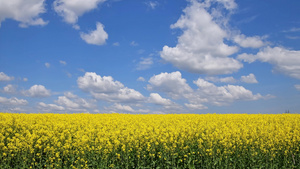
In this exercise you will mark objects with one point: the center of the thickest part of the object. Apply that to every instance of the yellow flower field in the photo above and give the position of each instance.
(149, 141)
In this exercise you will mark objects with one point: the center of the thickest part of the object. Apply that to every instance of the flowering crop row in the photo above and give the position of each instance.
(149, 141)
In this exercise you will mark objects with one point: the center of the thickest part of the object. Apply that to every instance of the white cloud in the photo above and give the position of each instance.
(70, 95)
(37, 91)
(145, 63)
(105, 88)
(297, 87)
(26, 12)
(292, 30)
(76, 27)
(249, 79)
(88, 104)
(70, 10)
(227, 80)
(171, 83)
(73, 102)
(228, 4)
(13, 101)
(195, 106)
(249, 42)
(124, 108)
(152, 4)
(168, 106)
(47, 65)
(91, 82)
(50, 107)
(201, 48)
(96, 37)
(246, 79)
(121, 108)
(16, 109)
(223, 80)
(25, 79)
(63, 62)
(9, 89)
(67, 102)
(133, 43)
(220, 95)
(141, 79)
(155, 98)
(122, 95)
(284, 61)
(4, 77)
(175, 86)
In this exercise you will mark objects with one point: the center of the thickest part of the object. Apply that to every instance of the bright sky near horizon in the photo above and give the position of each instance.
(147, 56)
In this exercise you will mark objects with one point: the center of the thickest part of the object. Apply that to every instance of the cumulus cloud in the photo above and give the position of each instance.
(221, 95)
(171, 83)
(91, 82)
(122, 95)
(4, 77)
(228, 4)
(9, 89)
(284, 61)
(207, 93)
(37, 91)
(249, 79)
(13, 101)
(155, 98)
(152, 4)
(145, 63)
(70, 10)
(72, 102)
(121, 108)
(96, 37)
(141, 79)
(26, 12)
(195, 106)
(201, 48)
(105, 88)
(67, 102)
(246, 79)
(125, 108)
(50, 107)
(223, 80)
(249, 42)
(70, 95)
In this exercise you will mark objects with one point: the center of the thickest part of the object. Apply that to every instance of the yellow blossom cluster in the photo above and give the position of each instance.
(128, 141)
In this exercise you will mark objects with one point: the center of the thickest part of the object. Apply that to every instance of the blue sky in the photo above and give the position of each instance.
(143, 56)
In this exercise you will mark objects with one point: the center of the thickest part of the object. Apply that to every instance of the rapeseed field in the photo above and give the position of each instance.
(149, 141)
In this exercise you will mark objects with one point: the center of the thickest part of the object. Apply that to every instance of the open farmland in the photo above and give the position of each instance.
(149, 141)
